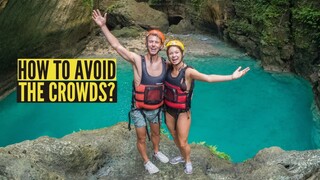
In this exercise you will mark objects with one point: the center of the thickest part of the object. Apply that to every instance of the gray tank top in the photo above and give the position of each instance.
(152, 80)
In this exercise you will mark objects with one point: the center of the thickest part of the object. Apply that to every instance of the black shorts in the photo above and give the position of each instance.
(174, 112)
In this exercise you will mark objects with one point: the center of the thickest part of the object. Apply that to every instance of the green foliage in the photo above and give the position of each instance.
(113, 7)
(156, 2)
(197, 4)
(262, 19)
(214, 151)
(308, 15)
(267, 14)
(309, 18)
(261, 11)
(242, 26)
(268, 38)
(88, 3)
(300, 36)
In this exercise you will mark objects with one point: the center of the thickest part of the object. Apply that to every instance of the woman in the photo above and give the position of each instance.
(179, 83)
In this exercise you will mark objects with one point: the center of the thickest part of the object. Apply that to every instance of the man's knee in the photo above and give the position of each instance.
(155, 130)
(183, 143)
(155, 133)
(141, 135)
(141, 140)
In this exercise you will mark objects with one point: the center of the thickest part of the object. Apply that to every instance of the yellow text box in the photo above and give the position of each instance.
(66, 70)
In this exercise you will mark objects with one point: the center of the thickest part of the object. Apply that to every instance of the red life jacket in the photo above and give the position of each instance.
(149, 97)
(149, 94)
(176, 96)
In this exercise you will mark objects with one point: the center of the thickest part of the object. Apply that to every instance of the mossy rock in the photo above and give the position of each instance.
(131, 31)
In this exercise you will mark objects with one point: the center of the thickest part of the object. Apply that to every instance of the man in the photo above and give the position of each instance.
(149, 73)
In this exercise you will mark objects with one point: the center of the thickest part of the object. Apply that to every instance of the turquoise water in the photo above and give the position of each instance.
(240, 117)
(260, 110)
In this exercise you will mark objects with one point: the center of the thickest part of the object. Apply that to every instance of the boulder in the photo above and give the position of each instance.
(111, 153)
(126, 13)
(183, 27)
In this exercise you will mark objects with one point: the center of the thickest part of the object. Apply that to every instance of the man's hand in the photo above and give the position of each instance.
(98, 18)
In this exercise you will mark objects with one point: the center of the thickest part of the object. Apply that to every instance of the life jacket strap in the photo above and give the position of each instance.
(159, 118)
(145, 119)
(129, 123)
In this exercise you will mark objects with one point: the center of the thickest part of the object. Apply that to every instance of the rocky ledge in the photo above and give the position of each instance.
(110, 153)
(195, 46)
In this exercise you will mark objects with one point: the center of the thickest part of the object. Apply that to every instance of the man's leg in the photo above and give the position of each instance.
(140, 126)
(155, 136)
(141, 143)
(142, 148)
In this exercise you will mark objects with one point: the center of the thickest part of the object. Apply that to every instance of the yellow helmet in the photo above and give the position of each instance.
(175, 43)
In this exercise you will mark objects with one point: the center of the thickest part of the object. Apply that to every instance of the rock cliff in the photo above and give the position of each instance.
(40, 29)
(110, 153)
(283, 34)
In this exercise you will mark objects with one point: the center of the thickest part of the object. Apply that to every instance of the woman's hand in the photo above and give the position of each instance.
(98, 18)
(238, 73)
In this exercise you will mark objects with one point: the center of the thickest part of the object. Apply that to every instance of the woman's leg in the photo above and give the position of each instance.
(182, 132)
(171, 122)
